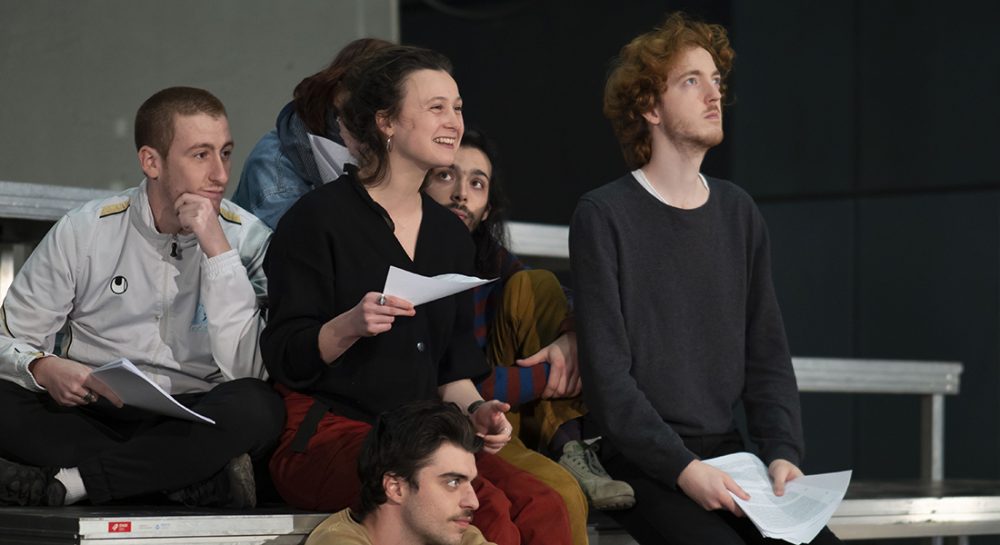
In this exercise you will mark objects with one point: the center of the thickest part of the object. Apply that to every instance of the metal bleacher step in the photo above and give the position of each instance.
(603, 530)
(82, 525)
(86, 525)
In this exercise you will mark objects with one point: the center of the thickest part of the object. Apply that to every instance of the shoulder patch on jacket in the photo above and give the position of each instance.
(116, 208)
(230, 216)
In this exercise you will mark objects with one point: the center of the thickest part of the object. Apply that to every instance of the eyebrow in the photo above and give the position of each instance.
(432, 99)
(473, 171)
(453, 475)
(206, 145)
(695, 72)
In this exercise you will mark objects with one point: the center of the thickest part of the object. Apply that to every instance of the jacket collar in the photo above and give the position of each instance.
(142, 220)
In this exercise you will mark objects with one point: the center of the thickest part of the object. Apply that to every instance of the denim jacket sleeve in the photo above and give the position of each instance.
(269, 184)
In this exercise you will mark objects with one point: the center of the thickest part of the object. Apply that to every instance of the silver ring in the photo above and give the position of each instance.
(381, 299)
(90, 397)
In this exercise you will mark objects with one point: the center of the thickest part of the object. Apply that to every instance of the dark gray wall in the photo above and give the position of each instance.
(865, 132)
(72, 74)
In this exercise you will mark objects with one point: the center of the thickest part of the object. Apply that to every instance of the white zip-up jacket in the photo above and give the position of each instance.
(125, 290)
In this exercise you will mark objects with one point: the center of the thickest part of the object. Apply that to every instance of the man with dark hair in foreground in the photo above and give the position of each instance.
(416, 469)
(167, 274)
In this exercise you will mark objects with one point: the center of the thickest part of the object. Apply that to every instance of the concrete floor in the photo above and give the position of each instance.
(613, 539)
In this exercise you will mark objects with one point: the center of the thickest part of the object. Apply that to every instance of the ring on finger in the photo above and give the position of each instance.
(90, 397)
(381, 299)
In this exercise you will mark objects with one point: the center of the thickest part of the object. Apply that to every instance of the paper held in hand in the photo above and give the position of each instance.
(419, 289)
(134, 388)
(797, 516)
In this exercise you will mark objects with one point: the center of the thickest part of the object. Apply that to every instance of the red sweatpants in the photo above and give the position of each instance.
(514, 507)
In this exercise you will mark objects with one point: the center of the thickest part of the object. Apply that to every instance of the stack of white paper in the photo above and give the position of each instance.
(418, 289)
(798, 515)
(134, 388)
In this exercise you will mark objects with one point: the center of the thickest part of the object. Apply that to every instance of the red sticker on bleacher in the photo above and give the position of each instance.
(118, 527)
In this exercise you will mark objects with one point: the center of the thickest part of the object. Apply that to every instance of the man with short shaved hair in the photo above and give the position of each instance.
(169, 275)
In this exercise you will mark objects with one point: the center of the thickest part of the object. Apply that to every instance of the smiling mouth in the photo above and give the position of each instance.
(446, 140)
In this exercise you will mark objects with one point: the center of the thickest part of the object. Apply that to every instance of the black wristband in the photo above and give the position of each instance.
(474, 406)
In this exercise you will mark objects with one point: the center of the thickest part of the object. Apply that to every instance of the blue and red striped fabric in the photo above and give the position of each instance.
(514, 385)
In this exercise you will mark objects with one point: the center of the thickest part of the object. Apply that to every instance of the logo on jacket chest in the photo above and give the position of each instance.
(118, 285)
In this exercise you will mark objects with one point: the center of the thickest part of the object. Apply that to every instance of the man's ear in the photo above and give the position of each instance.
(150, 162)
(393, 486)
(652, 116)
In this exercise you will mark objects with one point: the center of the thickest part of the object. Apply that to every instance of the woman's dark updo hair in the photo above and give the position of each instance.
(315, 95)
(377, 85)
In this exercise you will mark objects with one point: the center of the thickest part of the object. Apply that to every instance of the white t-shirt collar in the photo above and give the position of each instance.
(644, 182)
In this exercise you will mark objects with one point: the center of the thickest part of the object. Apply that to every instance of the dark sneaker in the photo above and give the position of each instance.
(233, 487)
(28, 485)
(604, 493)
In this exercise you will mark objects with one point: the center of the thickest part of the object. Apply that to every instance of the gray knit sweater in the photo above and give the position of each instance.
(677, 322)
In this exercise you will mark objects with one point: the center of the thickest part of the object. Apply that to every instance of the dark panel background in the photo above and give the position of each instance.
(866, 132)
(929, 78)
(795, 96)
(532, 76)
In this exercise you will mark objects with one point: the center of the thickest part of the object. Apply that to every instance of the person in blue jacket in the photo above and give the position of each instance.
(281, 167)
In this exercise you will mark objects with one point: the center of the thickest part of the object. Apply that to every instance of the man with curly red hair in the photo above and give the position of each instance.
(677, 320)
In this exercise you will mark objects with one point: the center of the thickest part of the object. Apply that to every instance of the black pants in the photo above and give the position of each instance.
(129, 452)
(667, 516)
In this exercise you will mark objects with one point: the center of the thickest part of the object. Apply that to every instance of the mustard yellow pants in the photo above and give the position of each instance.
(533, 308)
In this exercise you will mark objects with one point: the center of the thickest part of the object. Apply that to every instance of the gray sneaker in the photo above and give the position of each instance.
(232, 487)
(604, 493)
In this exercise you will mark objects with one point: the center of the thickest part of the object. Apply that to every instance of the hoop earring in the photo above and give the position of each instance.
(388, 144)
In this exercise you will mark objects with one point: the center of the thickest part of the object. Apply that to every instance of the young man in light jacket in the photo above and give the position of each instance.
(167, 274)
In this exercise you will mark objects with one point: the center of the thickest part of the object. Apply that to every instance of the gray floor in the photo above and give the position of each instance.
(613, 539)
(609, 537)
